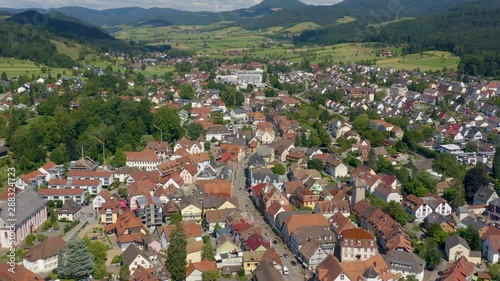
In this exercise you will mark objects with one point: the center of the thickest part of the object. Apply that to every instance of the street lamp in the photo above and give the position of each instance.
(161, 132)
(103, 155)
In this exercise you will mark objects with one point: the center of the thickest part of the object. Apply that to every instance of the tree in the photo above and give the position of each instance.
(426, 179)
(187, 91)
(117, 259)
(124, 272)
(30, 239)
(194, 131)
(447, 164)
(210, 276)
(4, 76)
(77, 261)
(175, 218)
(433, 255)
(316, 164)
(496, 164)
(176, 254)
(471, 146)
(471, 235)
(324, 116)
(455, 195)
(279, 169)
(169, 121)
(437, 233)
(119, 159)
(241, 274)
(208, 251)
(494, 270)
(474, 179)
(397, 212)
(372, 159)
(59, 155)
(410, 278)
(59, 204)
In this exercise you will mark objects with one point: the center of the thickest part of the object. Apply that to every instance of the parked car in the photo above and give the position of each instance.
(285, 270)
(293, 263)
(275, 242)
(285, 256)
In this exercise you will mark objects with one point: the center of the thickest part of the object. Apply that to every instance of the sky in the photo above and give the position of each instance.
(188, 5)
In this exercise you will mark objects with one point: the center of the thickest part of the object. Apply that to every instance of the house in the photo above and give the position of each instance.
(311, 255)
(70, 211)
(491, 248)
(191, 209)
(493, 210)
(101, 198)
(484, 196)
(301, 220)
(160, 148)
(76, 195)
(330, 207)
(447, 224)
(43, 257)
(17, 273)
(194, 271)
(188, 173)
(192, 147)
(460, 270)
(336, 168)
(238, 114)
(265, 271)
(219, 133)
(416, 206)
(227, 252)
(387, 193)
(149, 209)
(194, 248)
(128, 228)
(251, 260)
(217, 217)
(190, 228)
(406, 263)
(109, 212)
(456, 247)
(357, 245)
(372, 269)
(323, 236)
(31, 213)
(264, 132)
(135, 257)
(383, 126)
(216, 187)
(146, 160)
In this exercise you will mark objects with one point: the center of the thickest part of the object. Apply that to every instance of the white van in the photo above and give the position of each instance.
(285, 270)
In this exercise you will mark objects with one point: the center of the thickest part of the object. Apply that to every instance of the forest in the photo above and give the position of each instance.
(30, 43)
(471, 33)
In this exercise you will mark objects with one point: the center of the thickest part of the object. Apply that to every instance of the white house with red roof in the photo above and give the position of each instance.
(101, 198)
(92, 186)
(146, 160)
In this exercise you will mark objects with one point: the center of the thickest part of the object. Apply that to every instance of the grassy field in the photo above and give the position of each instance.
(15, 67)
(301, 27)
(213, 40)
(72, 51)
(377, 25)
(346, 19)
(431, 60)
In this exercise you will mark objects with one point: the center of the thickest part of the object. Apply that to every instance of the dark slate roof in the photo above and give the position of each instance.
(131, 253)
(453, 241)
(402, 261)
(28, 202)
(484, 193)
(495, 202)
(434, 218)
(370, 273)
(476, 224)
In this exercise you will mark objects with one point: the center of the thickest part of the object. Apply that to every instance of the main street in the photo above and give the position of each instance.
(239, 190)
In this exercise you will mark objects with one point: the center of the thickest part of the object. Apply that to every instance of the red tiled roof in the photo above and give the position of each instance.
(62, 191)
(147, 155)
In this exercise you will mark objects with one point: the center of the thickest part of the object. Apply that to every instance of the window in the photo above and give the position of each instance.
(342, 276)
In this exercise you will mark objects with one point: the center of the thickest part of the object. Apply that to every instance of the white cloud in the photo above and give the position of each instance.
(191, 5)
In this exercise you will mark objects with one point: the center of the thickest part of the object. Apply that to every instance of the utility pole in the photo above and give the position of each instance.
(103, 155)
(161, 132)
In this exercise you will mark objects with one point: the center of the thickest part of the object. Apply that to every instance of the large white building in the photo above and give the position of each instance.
(253, 77)
(146, 160)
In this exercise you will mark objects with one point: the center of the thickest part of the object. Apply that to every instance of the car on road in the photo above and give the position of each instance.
(267, 234)
(93, 238)
(285, 256)
(275, 242)
(246, 205)
(285, 270)
(293, 263)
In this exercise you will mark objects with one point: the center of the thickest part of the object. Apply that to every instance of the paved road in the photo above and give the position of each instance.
(296, 272)
(84, 217)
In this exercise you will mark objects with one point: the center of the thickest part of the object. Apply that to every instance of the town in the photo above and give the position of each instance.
(251, 171)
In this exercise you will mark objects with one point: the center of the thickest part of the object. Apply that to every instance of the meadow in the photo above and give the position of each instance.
(16, 67)
(273, 43)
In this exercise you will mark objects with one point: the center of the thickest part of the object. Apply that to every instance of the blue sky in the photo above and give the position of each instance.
(191, 5)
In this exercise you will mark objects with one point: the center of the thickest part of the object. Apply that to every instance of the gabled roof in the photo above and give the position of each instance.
(131, 253)
(28, 201)
(46, 249)
(202, 266)
(147, 155)
(455, 240)
(300, 220)
(357, 234)
(460, 270)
